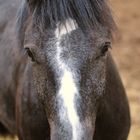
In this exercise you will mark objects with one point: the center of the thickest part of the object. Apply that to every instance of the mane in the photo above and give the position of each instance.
(87, 13)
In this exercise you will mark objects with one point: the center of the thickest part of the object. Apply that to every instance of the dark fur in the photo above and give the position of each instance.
(3, 130)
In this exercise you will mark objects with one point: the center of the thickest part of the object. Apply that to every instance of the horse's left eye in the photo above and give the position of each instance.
(105, 48)
(30, 54)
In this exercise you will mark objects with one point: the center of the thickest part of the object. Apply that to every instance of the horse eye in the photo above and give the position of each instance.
(30, 54)
(105, 48)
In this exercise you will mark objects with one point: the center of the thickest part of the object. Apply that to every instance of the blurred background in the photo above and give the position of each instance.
(126, 52)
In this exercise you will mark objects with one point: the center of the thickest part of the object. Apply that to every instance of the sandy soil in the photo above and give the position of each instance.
(126, 52)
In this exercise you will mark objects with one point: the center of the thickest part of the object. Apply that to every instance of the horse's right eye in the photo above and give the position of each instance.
(105, 48)
(30, 54)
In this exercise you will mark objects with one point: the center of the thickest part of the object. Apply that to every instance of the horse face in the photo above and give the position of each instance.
(69, 68)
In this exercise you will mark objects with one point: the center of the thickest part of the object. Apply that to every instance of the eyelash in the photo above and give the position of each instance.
(105, 48)
(30, 54)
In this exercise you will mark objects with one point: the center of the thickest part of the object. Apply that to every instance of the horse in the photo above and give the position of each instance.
(58, 78)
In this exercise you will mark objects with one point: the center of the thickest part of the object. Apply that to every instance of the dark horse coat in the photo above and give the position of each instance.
(33, 102)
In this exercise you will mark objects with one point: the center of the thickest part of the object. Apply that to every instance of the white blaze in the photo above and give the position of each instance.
(70, 25)
(68, 89)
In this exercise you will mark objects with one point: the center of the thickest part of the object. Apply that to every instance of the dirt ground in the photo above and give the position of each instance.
(126, 52)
